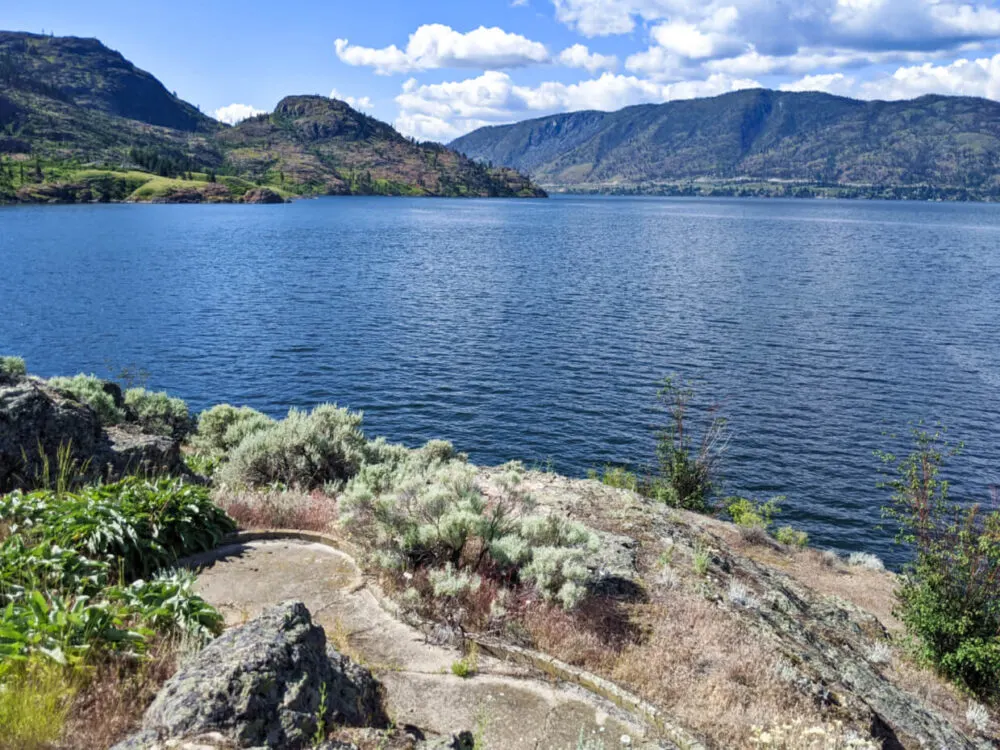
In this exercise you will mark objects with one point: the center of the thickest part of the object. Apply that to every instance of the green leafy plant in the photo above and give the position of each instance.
(159, 413)
(753, 514)
(792, 537)
(949, 595)
(689, 465)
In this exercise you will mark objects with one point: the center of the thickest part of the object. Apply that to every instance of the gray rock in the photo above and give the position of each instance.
(264, 684)
(262, 195)
(36, 420)
(462, 741)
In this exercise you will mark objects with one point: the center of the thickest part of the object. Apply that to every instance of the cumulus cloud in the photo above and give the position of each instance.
(961, 78)
(776, 28)
(235, 113)
(358, 102)
(443, 111)
(830, 83)
(579, 56)
(438, 46)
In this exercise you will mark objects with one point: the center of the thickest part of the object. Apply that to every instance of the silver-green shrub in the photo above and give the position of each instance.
(424, 508)
(223, 427)
(159, 413)
(89, 390)
(13, 367)
(303, 450)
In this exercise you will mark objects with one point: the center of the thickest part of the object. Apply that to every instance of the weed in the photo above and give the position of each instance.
(700, 561)
(35, 699)
(792, 537)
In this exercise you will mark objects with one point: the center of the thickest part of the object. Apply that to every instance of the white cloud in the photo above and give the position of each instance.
(781, 27)
(443, 111)
(358, 102)
(961, 78)
(578, 56)
(235, 113)
(831, 83)
(438, 46)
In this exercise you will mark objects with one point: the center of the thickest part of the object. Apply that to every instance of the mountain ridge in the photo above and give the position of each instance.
(760, 136)
(80, 123)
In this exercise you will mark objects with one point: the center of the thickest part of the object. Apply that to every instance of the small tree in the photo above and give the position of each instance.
(949, 597)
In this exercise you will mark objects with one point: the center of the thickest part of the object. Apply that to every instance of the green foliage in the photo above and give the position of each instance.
(13, 367)
(139, 525)
(302, 450)
(159, 413)
(688, 466)
(424, 509)
(792, 537)
(752, 514)
(69, 565)
(223, 427)
(616, 476)
(35, 700)
(89, 390)
(949, 596)
(701, 560)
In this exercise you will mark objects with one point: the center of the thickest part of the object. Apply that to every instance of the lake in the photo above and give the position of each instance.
(537, 330)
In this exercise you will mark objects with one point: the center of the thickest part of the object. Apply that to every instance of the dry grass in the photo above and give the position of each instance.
(274, 509)
(111, 704)
(935, 691)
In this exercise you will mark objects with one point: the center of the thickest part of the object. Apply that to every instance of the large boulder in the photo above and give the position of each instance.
(262, 195)
(37, 421)
(265, 684)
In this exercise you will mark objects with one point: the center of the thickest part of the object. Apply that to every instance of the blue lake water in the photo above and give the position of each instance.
(537, 330)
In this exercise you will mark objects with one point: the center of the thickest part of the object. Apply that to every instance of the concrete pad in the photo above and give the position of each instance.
(508, 710)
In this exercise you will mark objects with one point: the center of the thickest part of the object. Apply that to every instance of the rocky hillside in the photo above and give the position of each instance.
(814, 139)
(79, 123)
(326, 147)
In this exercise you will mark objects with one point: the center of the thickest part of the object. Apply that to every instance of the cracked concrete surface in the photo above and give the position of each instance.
(506, 706)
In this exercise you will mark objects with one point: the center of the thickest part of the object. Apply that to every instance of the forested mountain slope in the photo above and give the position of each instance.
(758, 135)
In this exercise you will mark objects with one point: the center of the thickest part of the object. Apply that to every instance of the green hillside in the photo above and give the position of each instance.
(79, 122)
(763, 141)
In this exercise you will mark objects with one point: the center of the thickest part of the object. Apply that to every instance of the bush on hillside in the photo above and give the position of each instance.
(90, 390)
(949, 596)
(303, 450)
(159, 413)
(13, 367)
(424, 511)
(223, 427)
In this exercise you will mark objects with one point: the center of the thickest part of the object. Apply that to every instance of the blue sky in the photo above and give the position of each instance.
(439, 68)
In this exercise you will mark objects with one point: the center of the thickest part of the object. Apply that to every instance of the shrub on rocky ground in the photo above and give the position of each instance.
(949, 595)
(223, 427)
(423, 510)
(12, 367)
(92, 391)
(159, 413)
(303, 450)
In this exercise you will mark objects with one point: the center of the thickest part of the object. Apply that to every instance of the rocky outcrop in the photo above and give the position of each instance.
(269, 683)
(36, 422)
(262, 195)
(822, 642)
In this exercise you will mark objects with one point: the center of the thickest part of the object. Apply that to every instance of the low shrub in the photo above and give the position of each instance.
(421, 510)
(792, 537)
(865, 560)
(278, 509)
(616, 476)
(13, 367)
(752, 514)
(90, 390)
(223, 427)
(159, 413)
(303, 450)
(949, 595)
